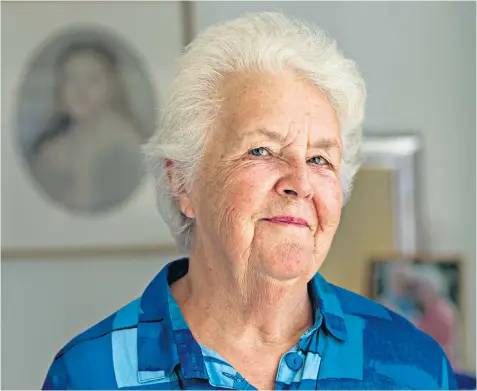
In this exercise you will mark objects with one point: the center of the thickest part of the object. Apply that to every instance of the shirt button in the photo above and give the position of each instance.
(294, 361)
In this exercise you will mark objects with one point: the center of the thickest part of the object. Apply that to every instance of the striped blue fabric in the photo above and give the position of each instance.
(355, 343)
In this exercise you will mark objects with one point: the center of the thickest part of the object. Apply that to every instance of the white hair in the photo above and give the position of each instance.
(267, 42)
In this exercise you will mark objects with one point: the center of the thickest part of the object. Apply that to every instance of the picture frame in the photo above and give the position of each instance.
(398, 153)
(406, 283)
(450, 265)
(32, 222)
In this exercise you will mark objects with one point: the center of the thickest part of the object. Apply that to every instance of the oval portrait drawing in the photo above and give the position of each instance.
(85, 107)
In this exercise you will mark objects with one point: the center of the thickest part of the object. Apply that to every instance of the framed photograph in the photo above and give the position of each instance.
(427, 290)
(81, 92)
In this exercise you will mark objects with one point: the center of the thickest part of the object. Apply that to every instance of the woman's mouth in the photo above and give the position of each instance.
(288, 220)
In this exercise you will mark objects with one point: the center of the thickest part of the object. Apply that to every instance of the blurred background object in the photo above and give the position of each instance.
(65, 266)
(427, 290)
(83, 144)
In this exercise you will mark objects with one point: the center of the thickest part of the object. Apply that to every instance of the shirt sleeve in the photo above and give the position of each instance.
(57, 377)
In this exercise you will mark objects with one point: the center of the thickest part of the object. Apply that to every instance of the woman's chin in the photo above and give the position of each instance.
(289, 265)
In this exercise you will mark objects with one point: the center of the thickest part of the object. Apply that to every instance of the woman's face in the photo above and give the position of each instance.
(268, 193)
(86, 85)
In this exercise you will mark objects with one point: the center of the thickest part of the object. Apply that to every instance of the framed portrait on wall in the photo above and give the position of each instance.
(426, 289)
(82, 86)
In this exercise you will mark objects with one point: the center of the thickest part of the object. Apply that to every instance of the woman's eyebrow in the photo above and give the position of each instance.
(322, 143)
(325, 143)
(271, 135)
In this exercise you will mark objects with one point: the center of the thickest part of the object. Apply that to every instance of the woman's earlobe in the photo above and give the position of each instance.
(185, 207)
(184, 204)
(190, 213)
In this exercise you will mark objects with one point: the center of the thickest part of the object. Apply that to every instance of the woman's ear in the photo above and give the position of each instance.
(181, 196)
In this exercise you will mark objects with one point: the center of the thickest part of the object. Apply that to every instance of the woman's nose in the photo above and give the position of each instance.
(296, 182)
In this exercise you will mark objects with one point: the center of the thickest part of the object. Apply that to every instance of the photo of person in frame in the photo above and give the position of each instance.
(87, 155)
(427, 294)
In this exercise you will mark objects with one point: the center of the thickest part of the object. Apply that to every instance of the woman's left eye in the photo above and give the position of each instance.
(259, 152)
(319, 160)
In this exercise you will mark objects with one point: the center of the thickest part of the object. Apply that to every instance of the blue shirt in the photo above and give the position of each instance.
(355, 343)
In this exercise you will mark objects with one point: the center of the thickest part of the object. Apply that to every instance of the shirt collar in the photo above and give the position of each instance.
(326, 302)
(164, 340)
(162, 343)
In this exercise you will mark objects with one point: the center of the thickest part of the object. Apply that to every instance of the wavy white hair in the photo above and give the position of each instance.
(266, 42)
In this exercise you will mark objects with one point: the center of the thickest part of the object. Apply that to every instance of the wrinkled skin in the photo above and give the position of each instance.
(246, 286)
(235, 189)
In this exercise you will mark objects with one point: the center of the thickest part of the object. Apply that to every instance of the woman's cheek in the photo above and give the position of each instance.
(328, 201)
(254, 175)
(237, 187)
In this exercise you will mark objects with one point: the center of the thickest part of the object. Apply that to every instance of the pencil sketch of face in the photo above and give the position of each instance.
(86, 157)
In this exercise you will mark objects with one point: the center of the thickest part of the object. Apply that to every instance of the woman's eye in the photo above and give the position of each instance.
(319, 161)
(259, 152)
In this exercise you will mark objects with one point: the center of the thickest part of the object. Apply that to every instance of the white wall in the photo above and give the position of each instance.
(418, 59)
(419, 63)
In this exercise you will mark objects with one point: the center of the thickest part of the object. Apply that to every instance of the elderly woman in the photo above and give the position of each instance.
(254, 159)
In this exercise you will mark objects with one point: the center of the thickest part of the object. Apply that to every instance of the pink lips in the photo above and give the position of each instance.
(288, 220)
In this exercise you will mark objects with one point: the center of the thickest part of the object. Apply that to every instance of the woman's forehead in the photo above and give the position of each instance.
(281, 103)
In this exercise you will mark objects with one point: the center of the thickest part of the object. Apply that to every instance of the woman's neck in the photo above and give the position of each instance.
(244, 308)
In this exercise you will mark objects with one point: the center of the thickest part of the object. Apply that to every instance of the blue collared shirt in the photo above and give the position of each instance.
(355, 343)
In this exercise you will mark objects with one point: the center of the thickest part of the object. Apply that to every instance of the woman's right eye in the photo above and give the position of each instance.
(259, 152)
